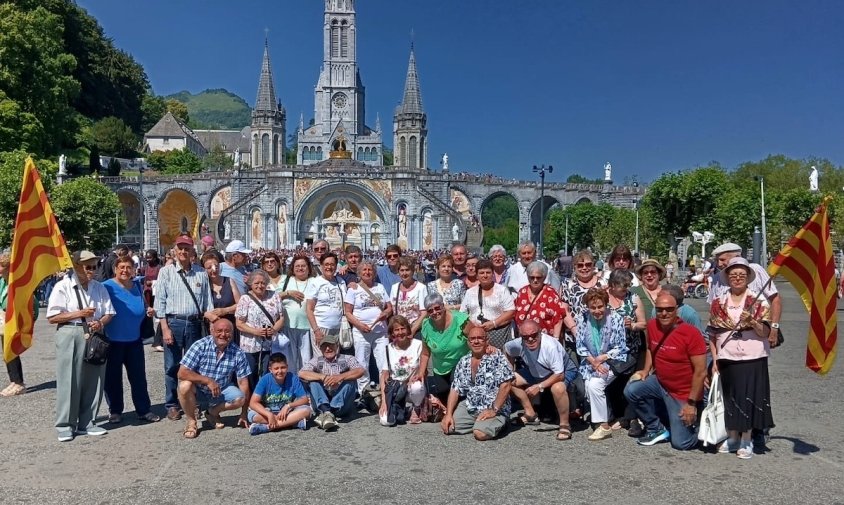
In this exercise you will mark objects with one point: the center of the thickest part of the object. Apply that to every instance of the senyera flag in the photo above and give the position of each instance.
(38, 250)
(808, 264)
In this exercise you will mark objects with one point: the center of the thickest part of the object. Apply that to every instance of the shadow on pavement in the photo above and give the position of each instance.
(42, 387)
(800, 447)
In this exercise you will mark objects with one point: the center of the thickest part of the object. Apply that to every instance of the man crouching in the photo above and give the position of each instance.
(485, 381)
(205, 378)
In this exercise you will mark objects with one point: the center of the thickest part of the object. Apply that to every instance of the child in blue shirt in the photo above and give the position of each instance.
(279, 400)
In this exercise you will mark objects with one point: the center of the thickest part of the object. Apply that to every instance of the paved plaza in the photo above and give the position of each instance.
(363, 462)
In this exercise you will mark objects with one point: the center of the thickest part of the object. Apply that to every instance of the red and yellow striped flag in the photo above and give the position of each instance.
(38, 250)
(808, 264)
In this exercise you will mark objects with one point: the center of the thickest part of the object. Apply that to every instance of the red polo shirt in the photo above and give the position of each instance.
(673, 361)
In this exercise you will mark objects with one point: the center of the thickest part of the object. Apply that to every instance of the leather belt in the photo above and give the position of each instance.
(191, 318)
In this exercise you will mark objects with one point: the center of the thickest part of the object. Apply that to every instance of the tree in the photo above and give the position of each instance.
(86, 212)
(579, 179)
(18, 129)
(500, 217)
(217, 160)
(182, 161)
(178, 109)
(113, 137)
(36, 72)
(94, 166)
(388, 156)
(152, 110)
(11, 175)
(113, 169)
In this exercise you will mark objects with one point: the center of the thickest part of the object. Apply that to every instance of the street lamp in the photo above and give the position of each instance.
(703, 239)
(636, 207)
(541, 171)
(761, 180)
(116, 227)
(567, 234)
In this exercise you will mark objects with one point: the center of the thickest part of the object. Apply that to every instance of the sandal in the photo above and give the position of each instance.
(745, 451)
(564, 433)
(13, 390)
(525, 420)
(150, 417)
(214, 420)
(191, 431)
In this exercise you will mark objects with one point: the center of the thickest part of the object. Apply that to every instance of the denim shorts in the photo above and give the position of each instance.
(230, 394)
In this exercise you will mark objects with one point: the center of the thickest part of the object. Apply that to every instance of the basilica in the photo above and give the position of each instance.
(339, 188)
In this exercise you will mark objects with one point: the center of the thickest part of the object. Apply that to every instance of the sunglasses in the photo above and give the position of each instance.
(649, 272)
(392, 256)
(320, 248)
(531, 336)
(666, 309)
(536, 278)
(585, 265)
(89, 268)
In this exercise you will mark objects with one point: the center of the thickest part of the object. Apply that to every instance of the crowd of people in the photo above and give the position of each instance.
(313, 337)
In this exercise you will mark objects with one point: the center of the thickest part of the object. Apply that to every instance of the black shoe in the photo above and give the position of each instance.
(636, 429)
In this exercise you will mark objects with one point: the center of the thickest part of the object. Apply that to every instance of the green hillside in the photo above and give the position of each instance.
(215, 108)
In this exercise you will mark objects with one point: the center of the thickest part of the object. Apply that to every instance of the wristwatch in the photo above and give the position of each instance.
(775, 326)
(541, 389)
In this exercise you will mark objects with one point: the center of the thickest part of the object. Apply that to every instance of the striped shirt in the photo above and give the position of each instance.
(63, 298)
(341, 364)
(202, 359)
(172, 297)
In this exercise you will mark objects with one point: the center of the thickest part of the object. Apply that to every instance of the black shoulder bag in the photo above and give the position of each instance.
(96, 343)
(206, 330)
(499, 335)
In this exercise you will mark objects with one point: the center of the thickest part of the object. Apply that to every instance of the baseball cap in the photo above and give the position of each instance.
(330, 338)
(237, 246)
(184, 240)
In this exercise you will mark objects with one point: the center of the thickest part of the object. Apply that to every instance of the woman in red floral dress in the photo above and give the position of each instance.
(540, 302)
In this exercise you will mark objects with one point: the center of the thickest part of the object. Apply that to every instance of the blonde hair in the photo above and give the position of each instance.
(5, 259)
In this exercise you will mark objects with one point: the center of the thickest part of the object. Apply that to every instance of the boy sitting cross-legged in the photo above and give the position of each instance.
(279, 400)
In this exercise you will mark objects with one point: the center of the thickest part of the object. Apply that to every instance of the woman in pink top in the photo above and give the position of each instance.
(739, 327)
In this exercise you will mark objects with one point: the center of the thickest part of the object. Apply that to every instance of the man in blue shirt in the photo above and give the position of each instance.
(388, 274)
(237, 255)
(205, 378)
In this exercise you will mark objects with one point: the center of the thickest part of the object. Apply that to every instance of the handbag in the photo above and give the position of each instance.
(96, 343)
(345, 338)
(713, 429)
(206, 329)
(499, 335)
(622, 367)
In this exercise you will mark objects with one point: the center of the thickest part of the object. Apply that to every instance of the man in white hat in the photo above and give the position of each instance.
(723, 254)
(236, 258)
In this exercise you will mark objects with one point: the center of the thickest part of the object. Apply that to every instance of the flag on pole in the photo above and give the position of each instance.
(808, 264)
(38, 250)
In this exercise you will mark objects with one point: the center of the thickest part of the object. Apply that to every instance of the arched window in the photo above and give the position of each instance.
(318, 156)
(275, 149)
(255, 150)
(344, 40)
(265, 149)
(421, 153)
(413, 161)
(402, 161)
(335, 39)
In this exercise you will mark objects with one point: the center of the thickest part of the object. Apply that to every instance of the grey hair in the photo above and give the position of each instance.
(433, 299)
(321, 241)
(535, 266)
(527, 243)
(257, 273)
(497, 248)
(368, 262)
(620, 277)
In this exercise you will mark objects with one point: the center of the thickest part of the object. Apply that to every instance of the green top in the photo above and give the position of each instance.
(448, 346)
(645, 300)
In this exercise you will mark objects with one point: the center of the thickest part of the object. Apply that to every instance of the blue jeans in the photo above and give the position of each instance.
(131, 356)
(185, 333)
(655, 407)
(341, 401)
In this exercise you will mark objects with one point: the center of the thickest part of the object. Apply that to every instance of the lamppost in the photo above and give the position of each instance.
(761, 180)
(116, 226)
(541, 171)
(143, 207)
(636, 206)
(567, 234)
(703, 239)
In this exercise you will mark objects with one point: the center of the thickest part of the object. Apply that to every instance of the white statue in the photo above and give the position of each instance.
(455, 232)
(237, 158)
(445, 161)
(282, 226)
(227, 229)
(63, 165)
(608, 172)
(313, 229)
(813, 179)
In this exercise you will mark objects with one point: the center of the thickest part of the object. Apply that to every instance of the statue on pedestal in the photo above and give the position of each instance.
(455, 232)
(237, 158)
(445, 161)
(607, 172)
(813, 179)
(62, 165)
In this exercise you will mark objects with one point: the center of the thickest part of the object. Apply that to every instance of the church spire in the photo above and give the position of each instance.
(412, 101)
(266, 100)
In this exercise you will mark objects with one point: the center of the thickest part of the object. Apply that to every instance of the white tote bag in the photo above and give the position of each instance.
(713, 429)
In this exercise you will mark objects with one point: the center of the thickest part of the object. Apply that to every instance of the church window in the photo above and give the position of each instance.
(411, 155)
(360, 154)
(265, 149)
(335, 39)
(344, 40)
(402, 161)
(275, 149)
(318, 154)
(374, 154)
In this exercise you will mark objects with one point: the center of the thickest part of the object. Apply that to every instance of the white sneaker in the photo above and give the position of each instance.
(94, 431)
(65, 434)
(329, 421)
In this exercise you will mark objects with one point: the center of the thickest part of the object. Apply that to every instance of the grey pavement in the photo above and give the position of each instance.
(363, 462)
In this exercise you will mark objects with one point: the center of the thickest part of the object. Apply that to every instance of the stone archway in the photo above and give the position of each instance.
(535, 211)
(133, 211)
(500, 221)
(343, 214)
(178, 213)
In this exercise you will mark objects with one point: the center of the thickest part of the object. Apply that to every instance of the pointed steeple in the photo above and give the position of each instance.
(412, 101)
(378, 122)
(301, 122)
(266, 100)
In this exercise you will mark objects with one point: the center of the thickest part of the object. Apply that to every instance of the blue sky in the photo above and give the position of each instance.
(651, 86)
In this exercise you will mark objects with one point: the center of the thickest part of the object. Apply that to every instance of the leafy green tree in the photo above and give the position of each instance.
(113, 137)
(94, 166)
(86, 212)
(182, 161)
(157, 160)
(18, 129)
(178, 109)
(500, 218)
(11, 175)
(217, 160)
(36, 72)
(579, 179)
(152, 110)
(737, 215)
(388, 157)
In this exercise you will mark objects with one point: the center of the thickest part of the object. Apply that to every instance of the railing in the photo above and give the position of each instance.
(444, 207)
(244, 200)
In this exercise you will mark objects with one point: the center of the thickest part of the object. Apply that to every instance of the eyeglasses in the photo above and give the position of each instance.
(391, 256)
(532, 336)
(649, 272)
(89, 268)
(737, 276)
(435, 309)
(585, 265)
(666, 309)
(320, 248)
(536, 277)
(269, 261)
(259, 283)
